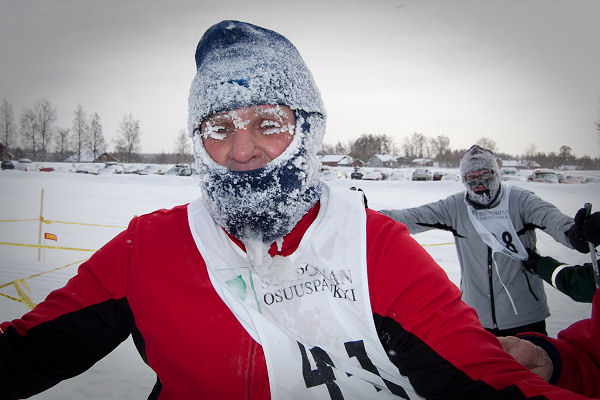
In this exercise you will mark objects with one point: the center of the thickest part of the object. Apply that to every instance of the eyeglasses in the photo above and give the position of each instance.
(482, 175)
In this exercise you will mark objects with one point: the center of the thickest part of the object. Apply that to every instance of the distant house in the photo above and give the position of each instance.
(336, 160)
(422, 162)
(382, 161)
(403, 161)
(358, 163)
(106, 157)
(89, 157)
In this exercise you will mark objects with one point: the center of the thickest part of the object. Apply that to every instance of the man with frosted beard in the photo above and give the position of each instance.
(272, 284)
(494, 230)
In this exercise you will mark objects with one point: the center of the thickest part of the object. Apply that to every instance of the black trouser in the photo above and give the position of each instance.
(539, 327)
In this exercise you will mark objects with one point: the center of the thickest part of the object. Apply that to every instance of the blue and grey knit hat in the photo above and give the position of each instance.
(241, 65)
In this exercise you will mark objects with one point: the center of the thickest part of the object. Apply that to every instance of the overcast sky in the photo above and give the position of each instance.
(520, 72)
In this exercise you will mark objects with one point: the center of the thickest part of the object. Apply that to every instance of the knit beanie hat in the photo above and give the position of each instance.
(476, 159)
(241, 65)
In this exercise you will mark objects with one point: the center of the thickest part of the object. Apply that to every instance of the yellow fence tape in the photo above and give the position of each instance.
(41, 246)
(436, 244)
(21, 284)
(49, 221)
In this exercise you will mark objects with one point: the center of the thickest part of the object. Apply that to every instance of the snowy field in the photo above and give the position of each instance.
(111, 201)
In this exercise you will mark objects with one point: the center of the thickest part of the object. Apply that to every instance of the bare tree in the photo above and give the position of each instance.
(97, 142)
(29, 131)
(416, 146)
(80, 131)
(440, 145)
(128, 141)
(45, 115)
(440, 148)
(565, 154)
(62, 143)
(598, 128)
(8, 128)
(182, 146)
(367, 145)
(529, 151)
(338, 148)
(487, 143)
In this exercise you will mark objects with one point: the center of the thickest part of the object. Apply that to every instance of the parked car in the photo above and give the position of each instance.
(591, 179)
(8, 164)
(421, 174)
(46, 169)
(568, 178)
(327, 174)
(437, 176)
(509, 174)
(93, 169)
(111, 167)
(132, 168)
(356, 174)
(179, 170)
(372, 176)
(543, 175)
(397, 176)
(153, 169)
(24, 164)
(449, 176)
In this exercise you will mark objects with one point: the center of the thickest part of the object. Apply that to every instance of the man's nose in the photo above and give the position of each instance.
(243, 145)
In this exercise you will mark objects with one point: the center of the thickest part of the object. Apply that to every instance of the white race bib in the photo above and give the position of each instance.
(317, 330)
(495, 227)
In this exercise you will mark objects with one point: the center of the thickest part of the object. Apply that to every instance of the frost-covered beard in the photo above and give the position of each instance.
(486, 197)
(263, 205)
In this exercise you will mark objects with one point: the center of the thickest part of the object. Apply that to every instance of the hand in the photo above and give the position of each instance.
(531, 356)
(530, 264)
(589, 226)
(586, 229)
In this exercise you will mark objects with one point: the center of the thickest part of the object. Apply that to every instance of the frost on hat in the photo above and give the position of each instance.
(241, 65)
(476, 159)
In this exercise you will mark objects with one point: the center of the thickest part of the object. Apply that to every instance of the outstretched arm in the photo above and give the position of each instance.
(71, 330)
(425, 217)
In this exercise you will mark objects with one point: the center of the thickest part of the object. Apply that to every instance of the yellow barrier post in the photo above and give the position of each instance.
(40, 225)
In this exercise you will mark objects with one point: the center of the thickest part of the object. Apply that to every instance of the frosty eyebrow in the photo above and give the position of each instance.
(272, 112)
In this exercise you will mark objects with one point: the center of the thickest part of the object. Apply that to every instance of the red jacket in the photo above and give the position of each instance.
(576, 353)
(150, 281)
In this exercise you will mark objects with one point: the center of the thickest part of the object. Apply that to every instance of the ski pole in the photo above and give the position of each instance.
(588, 211)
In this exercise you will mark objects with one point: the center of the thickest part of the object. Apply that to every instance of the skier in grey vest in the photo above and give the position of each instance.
(493, 227)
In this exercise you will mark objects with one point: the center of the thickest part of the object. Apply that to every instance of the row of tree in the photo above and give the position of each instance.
(33, 134)
(438, 148)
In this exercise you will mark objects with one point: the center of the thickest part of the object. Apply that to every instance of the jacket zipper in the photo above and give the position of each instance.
(530, 288)
(491, 283)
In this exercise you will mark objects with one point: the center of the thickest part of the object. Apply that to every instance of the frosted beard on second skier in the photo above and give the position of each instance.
(261, 206)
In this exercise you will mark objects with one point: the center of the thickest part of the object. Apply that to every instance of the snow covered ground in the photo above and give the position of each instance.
(113, 199)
